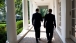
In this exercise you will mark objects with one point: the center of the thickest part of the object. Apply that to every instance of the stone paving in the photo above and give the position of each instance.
(30, 37)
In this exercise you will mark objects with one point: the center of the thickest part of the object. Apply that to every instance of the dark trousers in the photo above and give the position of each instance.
(49, 33)
(37, 32)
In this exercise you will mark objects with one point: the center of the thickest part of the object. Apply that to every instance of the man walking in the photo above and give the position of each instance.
(36, 22)
(49, 23)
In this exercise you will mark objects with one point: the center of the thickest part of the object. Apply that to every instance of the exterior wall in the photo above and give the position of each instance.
(65, 19)
(56, 15)
(62, 34)
(34, 7)
(51, 6)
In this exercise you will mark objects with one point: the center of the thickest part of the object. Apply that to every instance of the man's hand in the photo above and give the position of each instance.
(44, 26)
(55, 26)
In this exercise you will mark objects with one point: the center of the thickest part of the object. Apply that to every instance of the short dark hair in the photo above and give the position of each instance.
(50, 10)
(37, 9)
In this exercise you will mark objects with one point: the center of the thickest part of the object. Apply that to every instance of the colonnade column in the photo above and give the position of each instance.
(31, 11)
(11, 22)
(25, 14)
(63, 19)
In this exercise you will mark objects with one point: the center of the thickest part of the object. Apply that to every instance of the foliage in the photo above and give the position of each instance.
(28, 11)
(19, 30)
(18, 19)
(2, 3)
(2, 27)
(43, 11)
(2, 22)
(2, 8)
(3, 36)
(19, 24)
(28, 21)
(18, 6)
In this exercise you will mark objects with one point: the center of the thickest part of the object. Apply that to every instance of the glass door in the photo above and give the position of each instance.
(73, 13)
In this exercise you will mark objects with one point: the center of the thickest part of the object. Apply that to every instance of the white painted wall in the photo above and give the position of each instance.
(65, 19)
(56, 15)
(34, 7)
(51, 6)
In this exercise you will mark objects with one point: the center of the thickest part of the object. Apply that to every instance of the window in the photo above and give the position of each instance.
(59, 15)
(73, 12)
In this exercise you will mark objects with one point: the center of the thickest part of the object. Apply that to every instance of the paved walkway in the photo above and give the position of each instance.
(30, 37)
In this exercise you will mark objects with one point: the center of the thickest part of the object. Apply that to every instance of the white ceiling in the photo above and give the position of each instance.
(42, 2)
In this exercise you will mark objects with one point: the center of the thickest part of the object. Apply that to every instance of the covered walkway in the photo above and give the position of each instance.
(65, 13)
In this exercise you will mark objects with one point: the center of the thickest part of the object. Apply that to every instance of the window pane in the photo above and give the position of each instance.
(74, 27)
(73, 13)
(73, 32)
(73, 4)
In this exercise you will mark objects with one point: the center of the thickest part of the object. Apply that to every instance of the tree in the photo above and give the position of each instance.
(2, 8)
(18, 7)
(2, 3)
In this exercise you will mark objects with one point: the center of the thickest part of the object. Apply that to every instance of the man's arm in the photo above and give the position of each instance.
(54, 21)
(32, 19)
(41, 17)
(45, 21)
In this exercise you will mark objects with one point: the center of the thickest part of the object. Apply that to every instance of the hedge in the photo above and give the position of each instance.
(3, 34)
(19, 24)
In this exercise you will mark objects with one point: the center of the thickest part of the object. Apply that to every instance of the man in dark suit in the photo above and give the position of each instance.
(49, 23)
(36, 22)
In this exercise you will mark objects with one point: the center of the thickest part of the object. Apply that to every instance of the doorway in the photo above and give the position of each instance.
(43, 10)
(73, 20)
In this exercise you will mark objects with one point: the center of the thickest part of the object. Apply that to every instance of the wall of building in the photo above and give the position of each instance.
(34, 7)
(65, 19)
(51, 6)
(57, 19)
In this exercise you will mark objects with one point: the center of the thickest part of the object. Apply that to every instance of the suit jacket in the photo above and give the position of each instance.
(36, 19)
(49, 21)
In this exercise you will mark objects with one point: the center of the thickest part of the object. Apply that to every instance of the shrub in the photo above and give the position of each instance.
(19, 24)
(19, 30)
(2, 22)
(2, 27)
(18, 19)
(28, 21)
(3, 36)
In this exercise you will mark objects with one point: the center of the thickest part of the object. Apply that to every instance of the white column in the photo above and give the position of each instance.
(31, 11)
(53, 6)
(56, 11)
(63, 20)
(25, 14)
(11, 22)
